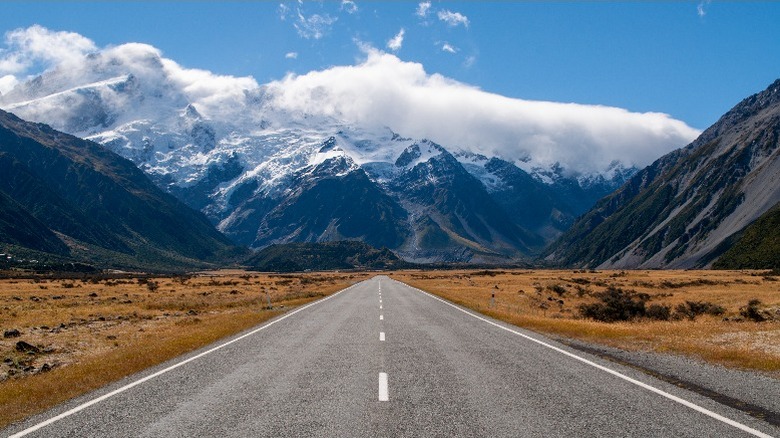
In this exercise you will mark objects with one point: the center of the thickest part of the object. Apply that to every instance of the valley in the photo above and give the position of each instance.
(389, 219)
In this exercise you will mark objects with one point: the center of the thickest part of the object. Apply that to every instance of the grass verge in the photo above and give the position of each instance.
(113, 328)
(549, 301)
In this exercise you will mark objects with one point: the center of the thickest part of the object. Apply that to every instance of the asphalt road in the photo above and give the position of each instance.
(321, 371)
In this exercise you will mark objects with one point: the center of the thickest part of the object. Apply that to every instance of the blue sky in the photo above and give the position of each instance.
(692, 60)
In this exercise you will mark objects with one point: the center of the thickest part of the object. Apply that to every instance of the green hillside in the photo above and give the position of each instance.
(757, 246)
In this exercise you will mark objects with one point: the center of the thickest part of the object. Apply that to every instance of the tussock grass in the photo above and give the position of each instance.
(549, 302)
(97, 332)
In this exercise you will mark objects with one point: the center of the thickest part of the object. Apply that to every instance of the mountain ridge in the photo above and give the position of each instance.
(238, 170)
(96, 205)
(678, 211)
(333, 255)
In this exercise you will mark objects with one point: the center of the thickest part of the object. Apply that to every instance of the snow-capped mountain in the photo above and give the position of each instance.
(266, 173)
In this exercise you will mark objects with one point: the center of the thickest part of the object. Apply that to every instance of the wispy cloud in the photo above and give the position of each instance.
(349, 6)
(291, 55)
(701, 8)
(449, 48)
(397, 41)
(314, 26)
(284, 11)
(423, 8)
(469, 61)
(453, 18)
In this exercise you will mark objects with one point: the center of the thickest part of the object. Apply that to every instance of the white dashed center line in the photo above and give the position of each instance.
(383, 393)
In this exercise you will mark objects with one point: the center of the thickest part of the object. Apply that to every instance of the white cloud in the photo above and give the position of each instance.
(349, 6)
(397, 41)
(381, 91)
(291, 55)
(469, 61)
(453, 18)
(449, 48)
(69, 60)
(386, 91)
(36, 44)
(7, 83)
(314, 26)
(423, 8)
(701, 8)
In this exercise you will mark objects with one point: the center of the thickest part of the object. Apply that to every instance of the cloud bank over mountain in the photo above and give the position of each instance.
(380, 90)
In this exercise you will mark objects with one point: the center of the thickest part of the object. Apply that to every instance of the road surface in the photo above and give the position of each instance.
(384, 359)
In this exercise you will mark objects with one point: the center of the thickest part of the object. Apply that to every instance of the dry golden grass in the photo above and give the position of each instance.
(93, 332)
(548, 301)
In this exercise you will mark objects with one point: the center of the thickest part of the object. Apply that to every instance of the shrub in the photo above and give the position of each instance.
(752, 312)
(581, 291)
(616, 305)
(582, 281)
(558, 289)
(658, 312)
(692, 309)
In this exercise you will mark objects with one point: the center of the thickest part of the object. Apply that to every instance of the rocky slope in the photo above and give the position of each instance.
(74, 199)
(684, 210)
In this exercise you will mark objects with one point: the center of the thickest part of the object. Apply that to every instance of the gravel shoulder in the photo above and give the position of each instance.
(753, 392)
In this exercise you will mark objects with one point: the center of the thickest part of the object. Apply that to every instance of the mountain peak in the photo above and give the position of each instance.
(419, 152)
(191, 112)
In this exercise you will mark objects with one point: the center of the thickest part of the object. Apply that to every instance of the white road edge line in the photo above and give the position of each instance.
(381, 336)
(650, 388)
(381, 317)
(384, 395)
(103, 397)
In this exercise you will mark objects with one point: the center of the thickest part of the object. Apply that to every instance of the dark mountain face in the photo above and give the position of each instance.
(453, 211)
(529, 201)
(334, 201)
(425, 206)
(18, 227)
(94, 199)
(678, 212)
(345, 254)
